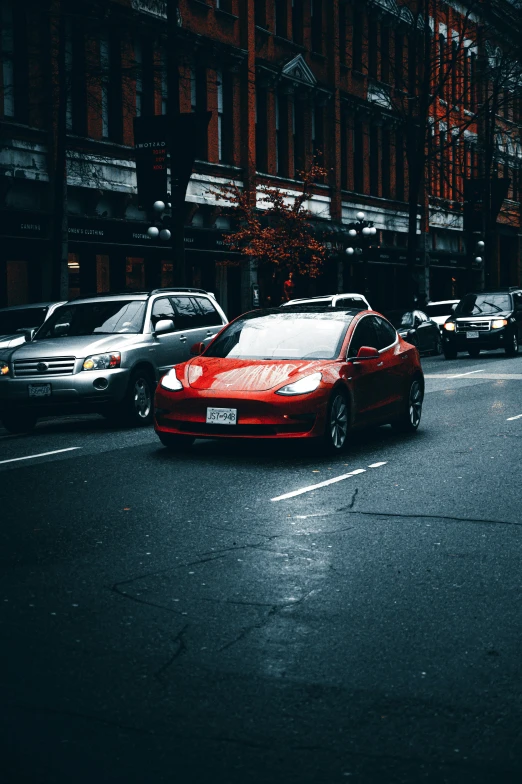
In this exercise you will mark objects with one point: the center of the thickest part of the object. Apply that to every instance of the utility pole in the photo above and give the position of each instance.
(173, 113)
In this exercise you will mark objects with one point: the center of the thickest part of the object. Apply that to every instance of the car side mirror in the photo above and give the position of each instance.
(454, 306)
(197, 349)
(60, 330)
(365, 353)
(27, 332)
(163, 326)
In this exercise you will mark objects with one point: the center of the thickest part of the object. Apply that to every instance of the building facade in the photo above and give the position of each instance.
(285, 80)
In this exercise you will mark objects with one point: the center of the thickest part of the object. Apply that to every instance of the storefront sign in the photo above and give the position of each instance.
(18, 223)
(151, 138)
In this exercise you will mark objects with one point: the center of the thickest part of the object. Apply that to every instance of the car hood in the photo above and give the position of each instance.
(73, 347)
(246, 375)
(7, 342)
(440, 319)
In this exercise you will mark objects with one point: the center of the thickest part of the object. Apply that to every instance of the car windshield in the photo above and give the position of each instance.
(401, 319)
(483, 304)
(94, 318)
(283, 336)
(446, 309)
(21, 318)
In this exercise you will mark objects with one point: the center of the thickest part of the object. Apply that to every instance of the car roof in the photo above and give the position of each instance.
(140, 295)
(30, 305)
(304, 308)
(442, 302)
(325, 297)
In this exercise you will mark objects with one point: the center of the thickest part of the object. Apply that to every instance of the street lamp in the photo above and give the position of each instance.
(361, 231)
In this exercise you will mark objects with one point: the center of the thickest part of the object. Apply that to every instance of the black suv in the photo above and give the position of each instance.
(483, 322)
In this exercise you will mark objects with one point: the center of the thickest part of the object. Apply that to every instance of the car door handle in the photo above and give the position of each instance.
(183, 338)
(380, 364)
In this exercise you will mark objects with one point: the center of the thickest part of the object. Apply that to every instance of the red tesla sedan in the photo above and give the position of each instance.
(304, 373)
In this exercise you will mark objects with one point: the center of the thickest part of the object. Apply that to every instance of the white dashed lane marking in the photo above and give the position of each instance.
(327, 482)
(42, 454)
(510, 419)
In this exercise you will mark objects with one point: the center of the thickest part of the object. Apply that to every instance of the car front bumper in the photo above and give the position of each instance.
(77, 390)
(268, 416)
(486, 341)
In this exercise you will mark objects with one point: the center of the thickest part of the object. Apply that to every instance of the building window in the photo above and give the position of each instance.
(399, 60)
(76, 80)
(281, 18)
(472, 81)
(357, 39)
(343, 29)
(261, 130)
(465, 79)
(282, 135)
(224, 5)
(399, 166)
(111, 86)
(225, 100)
(344, 152)
(260, 13)
(318, 134)
(442, 61)
(442, 147)
(358, 157)
(385, 163)
(385, 54)
(297, 21)
(198, 103)
(454, 72)
(298, 121)
(14, 88)
(374, 160)
(372, 47)
(144, 65)
(317, 25)
(164, 83)
(454, 169)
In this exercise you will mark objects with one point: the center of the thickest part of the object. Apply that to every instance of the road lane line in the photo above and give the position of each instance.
(377, 465)
(42, 454)
(510, 419)
(460, 375)
(320, 484)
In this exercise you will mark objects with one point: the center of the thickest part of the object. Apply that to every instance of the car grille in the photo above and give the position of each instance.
(238, 430)
(478, 326)
(55, 366)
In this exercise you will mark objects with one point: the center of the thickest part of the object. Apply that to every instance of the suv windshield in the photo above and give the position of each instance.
(283, 336)
(94, 318)
(483, 304)
(20, 318)
(400, 319)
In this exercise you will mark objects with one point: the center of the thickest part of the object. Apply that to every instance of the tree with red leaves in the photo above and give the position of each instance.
(274, 225)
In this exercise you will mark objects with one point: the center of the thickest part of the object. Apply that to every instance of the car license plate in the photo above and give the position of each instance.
(221, 416)
(472, 334)
(39, 390)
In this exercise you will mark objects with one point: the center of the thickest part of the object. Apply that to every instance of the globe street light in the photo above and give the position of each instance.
(349, 251)
(159, 206)
(153, 232)
(165, 235)
(360, 216)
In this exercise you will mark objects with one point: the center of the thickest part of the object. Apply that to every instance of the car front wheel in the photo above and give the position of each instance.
(136, 408)
(19, 422)
(337, 423)
(176, 443)
(410, 418)
(512, 345)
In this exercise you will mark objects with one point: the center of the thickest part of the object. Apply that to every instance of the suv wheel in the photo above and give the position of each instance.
(512, 345)
(136, 408)
(18, 422)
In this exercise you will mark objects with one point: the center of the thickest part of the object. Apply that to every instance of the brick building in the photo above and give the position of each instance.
(284, 80)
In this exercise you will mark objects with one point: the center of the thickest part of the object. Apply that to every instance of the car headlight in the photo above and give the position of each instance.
(499, 323)
(171, 381)
(4, 368)
(303, 386)
(449, 326)
(103, 361)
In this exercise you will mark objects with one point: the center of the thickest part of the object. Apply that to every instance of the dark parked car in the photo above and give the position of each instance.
(483, 322)
(415, 327)
(19, 322)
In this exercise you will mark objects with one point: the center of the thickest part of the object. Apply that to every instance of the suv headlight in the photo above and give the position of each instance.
(303, 386)
(499, 323)
(103, 361)
(449, 326)
(4, 368)
(171, 381)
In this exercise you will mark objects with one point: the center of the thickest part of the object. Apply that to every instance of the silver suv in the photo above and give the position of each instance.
(104, 354)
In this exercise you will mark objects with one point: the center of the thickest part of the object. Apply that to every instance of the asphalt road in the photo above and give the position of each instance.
(164, 619)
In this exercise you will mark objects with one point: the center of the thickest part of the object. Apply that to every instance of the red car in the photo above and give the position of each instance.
(304, 373)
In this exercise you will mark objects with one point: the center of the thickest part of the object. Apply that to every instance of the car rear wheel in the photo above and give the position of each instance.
(450, 353)
(438, 346)
(410, 418)
(337, 423)
(19, 422)
(512, 345)
(474, 352)
(176, 443)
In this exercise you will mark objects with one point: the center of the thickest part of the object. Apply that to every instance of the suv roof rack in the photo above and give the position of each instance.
(178, 288)
(148, 292)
